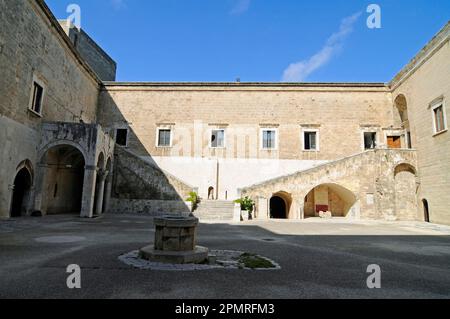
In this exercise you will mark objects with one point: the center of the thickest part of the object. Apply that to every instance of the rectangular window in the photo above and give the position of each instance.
(38, 94)
(122, 136)
(370, 140)
(269, 139)
(218, 138)
(310, 141)
(439, 122)
(164, 137)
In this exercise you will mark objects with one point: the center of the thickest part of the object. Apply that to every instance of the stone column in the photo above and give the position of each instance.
(101, 175)
(108, 192)
(87, 205)
(263, 208)
(300, 209)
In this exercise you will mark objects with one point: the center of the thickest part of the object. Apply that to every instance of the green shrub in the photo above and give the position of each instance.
(246, 203)
(194, 199)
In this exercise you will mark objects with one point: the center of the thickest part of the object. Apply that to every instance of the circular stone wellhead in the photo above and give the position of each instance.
(175, 242)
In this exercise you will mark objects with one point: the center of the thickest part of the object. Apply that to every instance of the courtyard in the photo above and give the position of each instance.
(318, 259)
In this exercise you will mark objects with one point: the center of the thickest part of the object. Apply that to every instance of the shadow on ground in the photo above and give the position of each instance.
(318, 260)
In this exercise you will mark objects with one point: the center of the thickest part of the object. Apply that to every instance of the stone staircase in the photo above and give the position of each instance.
(215, 210)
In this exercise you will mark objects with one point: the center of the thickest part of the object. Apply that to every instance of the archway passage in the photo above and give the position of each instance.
(278, 208)
(63, 180)
(211, 193)
(402, 109)
(405, 192)
(21, 193)
(329, 198)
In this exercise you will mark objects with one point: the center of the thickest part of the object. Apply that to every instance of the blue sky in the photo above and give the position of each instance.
(258, 40)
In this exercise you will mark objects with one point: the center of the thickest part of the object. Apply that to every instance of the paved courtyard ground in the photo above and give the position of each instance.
(319, 259)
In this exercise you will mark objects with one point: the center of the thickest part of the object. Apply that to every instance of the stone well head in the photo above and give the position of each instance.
(175, 233)
(175, 241)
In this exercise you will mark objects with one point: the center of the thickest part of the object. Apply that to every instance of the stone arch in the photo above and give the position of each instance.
(27, 165)
(405, 192)
(21, 195)
(101, 161)
(405, 167)
(57, 143)
(401, 106)
(62, 167)
(280, 205)
(329, 197)
(210, 193)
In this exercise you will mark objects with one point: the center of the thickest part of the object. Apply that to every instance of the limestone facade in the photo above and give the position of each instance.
(35, 50)
(424, 84)
(358, 150)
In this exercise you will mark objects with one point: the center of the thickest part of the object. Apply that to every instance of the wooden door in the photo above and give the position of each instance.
(394, 142)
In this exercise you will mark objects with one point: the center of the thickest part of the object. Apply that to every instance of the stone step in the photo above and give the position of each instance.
(215, 210)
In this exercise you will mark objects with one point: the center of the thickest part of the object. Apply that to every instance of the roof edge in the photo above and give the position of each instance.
(244, 84)
(422, 56)
(54, 22)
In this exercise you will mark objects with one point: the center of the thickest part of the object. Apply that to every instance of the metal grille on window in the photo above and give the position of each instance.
(269, 139)
(164, 138)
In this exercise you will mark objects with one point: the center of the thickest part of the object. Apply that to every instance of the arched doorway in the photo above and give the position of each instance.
(278, 208)
(211, 193)
(63, 170)
(402, 109)
(426, 210)
(21, 193)
(329, 198)
(405, 192)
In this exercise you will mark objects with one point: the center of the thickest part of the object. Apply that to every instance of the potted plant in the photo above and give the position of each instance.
(194, 199)
(247, 206)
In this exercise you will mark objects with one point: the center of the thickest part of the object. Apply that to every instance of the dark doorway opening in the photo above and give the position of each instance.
(211, 193)
(426, 211)
(63, 172)
(277, 208)
(21, 193)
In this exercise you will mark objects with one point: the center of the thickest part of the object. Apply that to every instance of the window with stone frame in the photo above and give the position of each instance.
(164, 137)
(38, 96)
(269, 139)
(370, 140)
(218, 138)
(439, 118)
(310, 141)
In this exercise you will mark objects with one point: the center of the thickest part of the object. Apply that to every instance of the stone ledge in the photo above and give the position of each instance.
(197, 256)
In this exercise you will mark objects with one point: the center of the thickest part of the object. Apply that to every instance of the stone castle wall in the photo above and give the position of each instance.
(371, 183)
(340, 114)
(424, 81)
(32, 48)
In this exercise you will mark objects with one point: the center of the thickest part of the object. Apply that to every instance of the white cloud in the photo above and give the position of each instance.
(299, 71)
(240, 7)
